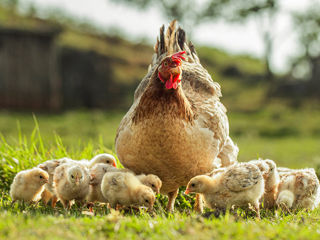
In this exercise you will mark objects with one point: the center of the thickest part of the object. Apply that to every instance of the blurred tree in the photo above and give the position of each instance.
(10, 4)
(192, 12)
(307, 66)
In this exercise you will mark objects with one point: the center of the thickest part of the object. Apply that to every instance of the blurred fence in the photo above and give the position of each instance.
(36, 74)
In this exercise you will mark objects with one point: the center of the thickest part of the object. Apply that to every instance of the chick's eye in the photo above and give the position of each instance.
(192, 185)
(146, 200)
(41, 176)
(72, 176)
(108, 161)
(152, 185)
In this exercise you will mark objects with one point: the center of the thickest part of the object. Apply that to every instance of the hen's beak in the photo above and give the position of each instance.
(187, 191)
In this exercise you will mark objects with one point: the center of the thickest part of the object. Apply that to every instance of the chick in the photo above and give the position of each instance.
(103, 158)
(237, 185)
(28, 185)
(152, 181)
(71, 182)
(97, 172)
(49, 193)
(122, 188)
(271, 178)
(284, 170)
(298, 188)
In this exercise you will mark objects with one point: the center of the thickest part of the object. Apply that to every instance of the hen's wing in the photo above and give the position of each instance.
(241, 177)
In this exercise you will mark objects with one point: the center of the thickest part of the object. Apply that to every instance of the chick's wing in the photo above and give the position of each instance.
(242, 177)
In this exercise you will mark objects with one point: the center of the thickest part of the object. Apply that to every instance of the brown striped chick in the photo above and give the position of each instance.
(271, 178)
(49, 192)
(28, 185)
(123, 188)
(237, 185)
(152, 181)
(71, 182)
(298, 189)
(103, 158)
(282, 170)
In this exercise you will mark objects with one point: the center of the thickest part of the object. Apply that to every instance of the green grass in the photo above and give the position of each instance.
(28, 140)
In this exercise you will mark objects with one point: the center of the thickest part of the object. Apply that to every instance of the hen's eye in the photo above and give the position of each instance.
(165, 64)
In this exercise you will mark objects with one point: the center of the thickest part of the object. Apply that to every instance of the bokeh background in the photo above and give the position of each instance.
(71, 67)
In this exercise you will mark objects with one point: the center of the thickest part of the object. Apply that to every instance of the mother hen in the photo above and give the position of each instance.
(176, 128)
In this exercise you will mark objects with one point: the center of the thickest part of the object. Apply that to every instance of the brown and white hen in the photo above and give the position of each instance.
(176, 128)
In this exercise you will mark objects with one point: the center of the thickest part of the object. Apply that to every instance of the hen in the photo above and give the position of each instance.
(176, 128)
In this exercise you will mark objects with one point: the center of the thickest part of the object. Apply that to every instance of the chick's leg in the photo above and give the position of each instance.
(54, 201)
(198, 205)
(171, 199)
(46, 196)
(65, 203)
(256, 208)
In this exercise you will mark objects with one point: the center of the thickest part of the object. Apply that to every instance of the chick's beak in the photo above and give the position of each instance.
(114, 164)
(187, 191)
(77, 181)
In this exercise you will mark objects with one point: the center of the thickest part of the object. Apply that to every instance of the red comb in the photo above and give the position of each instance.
(178, 56)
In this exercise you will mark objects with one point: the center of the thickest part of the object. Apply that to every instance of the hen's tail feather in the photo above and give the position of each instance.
(172, 41)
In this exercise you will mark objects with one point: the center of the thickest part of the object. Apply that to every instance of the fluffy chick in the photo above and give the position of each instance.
(103, 158)
(97, 172)
(28, 185)
(123, 188)
(271, 178)
(152, 181)
(49, 192)
(298, 189)
(237, 185)
(71, 182)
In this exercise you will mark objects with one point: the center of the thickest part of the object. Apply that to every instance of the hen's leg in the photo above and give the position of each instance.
(229, 153)
(198, 205)
(171, 199)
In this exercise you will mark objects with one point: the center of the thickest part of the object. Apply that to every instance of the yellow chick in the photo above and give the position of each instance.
(152, 181)
(123, 188)
(103, 158)
(28, 185)
(71, 182)
(49, 192)
(298, 188)
(96, 173)
(271, 177)
(237, 185)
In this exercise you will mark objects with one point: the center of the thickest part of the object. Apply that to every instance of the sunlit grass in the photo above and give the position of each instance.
(29, 139)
